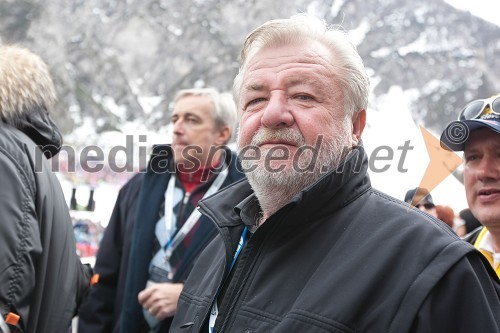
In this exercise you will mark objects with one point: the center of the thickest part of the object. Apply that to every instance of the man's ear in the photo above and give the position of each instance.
(223, 135)
(358, 125)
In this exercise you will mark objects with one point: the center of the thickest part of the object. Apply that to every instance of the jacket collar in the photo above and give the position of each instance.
(332, 191)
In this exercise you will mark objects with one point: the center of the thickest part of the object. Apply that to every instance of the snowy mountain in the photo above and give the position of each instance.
(118, 63)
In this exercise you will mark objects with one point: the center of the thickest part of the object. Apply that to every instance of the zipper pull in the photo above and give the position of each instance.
(186, 198)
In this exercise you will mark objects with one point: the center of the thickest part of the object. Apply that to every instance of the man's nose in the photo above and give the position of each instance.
(277, 113)
(178, 127)
(488, 169)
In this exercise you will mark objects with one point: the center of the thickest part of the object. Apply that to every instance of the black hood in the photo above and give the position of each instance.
(27, 93)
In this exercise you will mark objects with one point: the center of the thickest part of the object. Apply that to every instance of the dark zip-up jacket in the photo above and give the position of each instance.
(41, 277)
(127, 246)
(101, 309)
(340, 257)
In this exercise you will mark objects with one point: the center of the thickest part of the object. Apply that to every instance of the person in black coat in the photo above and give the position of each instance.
(136, 291)
(42, 280)
(306, 244)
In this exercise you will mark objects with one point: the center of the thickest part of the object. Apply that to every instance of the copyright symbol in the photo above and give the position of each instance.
(457, 132)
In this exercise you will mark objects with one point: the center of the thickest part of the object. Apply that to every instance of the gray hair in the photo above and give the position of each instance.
(349, 69)
(224, 111)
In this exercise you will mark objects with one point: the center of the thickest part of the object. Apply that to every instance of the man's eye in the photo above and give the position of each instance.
(255, 101)
(303, 97)
(471, 158)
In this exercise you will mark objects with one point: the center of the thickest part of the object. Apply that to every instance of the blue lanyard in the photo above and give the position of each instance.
(174, 241)
(215, 311)
(241, 243)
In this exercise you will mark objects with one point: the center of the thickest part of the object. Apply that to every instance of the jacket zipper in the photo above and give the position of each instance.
(186, 198)
(247, 267)
(182, 208)
(244, 277)
(225, 275)
(241, 282)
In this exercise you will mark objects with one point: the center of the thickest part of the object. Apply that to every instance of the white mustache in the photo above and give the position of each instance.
(289, 135)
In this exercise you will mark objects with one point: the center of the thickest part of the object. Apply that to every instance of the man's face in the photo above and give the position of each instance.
(195, 137)
(482, 176)
(289, 99)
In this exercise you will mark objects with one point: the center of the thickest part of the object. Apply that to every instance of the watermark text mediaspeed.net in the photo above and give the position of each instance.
(134, 156)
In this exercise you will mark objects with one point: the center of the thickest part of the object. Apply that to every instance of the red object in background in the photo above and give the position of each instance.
(86, 250)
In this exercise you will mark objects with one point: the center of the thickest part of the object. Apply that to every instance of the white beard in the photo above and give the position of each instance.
(274, 189)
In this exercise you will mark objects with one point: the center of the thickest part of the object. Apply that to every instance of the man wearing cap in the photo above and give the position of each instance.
(477, 134)
(422, 199)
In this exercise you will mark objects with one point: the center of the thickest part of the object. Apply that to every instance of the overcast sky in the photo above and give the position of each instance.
(487, 9)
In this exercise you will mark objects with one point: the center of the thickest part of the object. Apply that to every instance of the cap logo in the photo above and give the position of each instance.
(490, 115)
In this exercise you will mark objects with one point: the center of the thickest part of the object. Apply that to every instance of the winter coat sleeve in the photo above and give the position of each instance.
(101, 309)
(96, 313)
(465, 300)
(20, 244)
